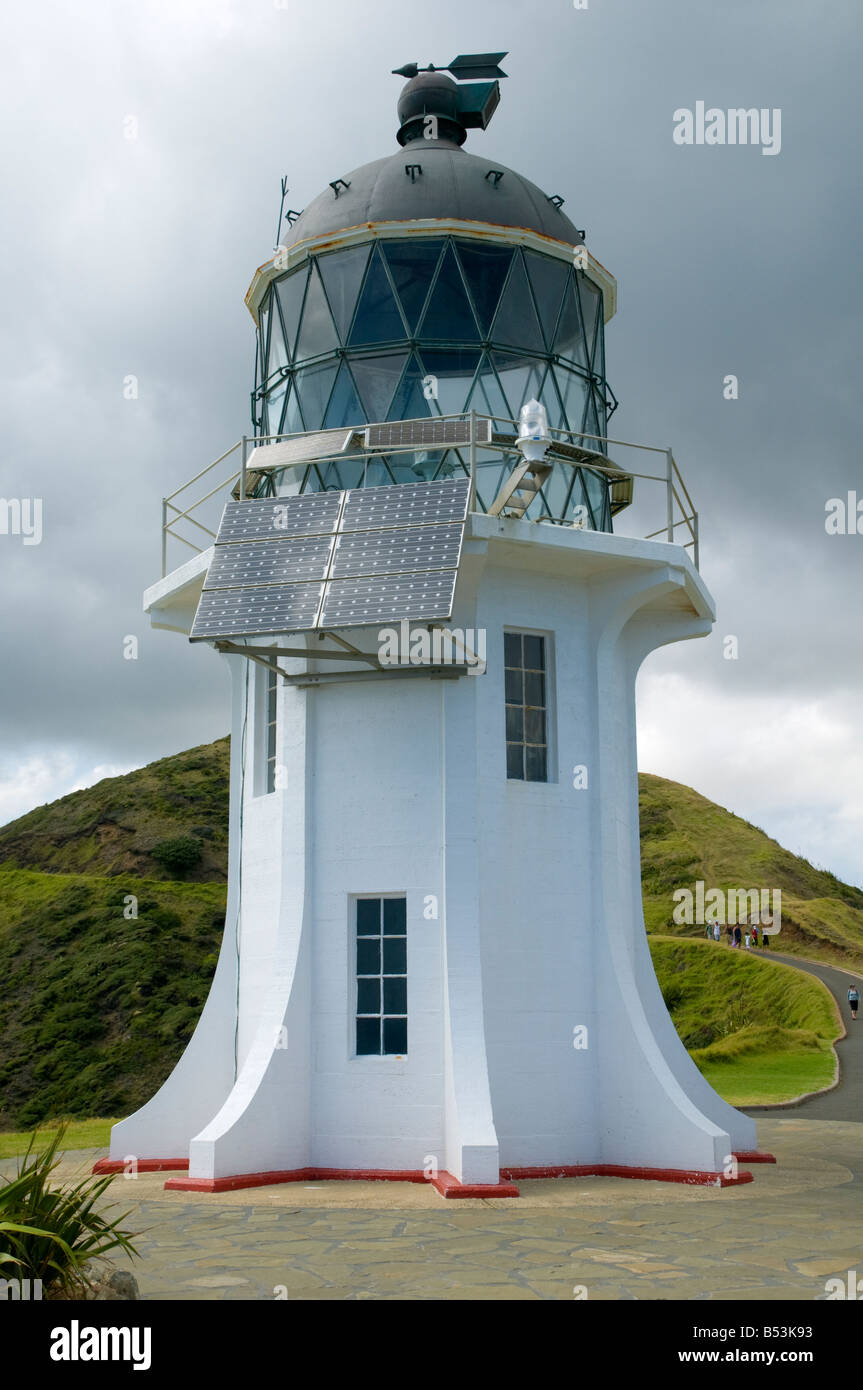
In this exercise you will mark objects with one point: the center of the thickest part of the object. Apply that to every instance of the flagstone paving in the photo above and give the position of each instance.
(779, 1237)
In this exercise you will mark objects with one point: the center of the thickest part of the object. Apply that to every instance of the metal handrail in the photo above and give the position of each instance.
(671, 477)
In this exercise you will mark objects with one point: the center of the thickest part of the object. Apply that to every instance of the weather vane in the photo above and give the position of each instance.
(463, 68)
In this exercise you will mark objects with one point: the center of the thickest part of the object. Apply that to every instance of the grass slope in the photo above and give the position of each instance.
(97, 1007)
(685, 837)
(760, 1031)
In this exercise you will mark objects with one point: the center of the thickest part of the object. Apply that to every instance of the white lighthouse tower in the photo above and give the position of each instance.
(434, 963)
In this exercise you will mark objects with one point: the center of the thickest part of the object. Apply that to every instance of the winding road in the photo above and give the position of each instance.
(845, 1101)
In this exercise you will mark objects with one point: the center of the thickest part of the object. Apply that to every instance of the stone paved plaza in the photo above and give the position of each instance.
(779, 1237)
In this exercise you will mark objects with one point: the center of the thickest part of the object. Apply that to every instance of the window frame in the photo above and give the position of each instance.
(551, 776)
(355, 976)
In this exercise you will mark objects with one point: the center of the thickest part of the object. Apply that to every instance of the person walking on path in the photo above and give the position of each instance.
(717, 931)
(853, 999)
(738, 936)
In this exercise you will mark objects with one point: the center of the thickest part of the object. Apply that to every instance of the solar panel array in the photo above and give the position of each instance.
(427, 434)
(334, 559)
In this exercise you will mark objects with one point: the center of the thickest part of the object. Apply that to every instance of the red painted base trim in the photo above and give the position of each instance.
(753, 1156)
(445, 1183)
(616, 1170)
(144, 1165)
(448, 1186)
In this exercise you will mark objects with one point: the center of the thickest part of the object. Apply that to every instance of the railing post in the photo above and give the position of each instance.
(695, 539)
(164, 537)
(669, 496)
(243, 470)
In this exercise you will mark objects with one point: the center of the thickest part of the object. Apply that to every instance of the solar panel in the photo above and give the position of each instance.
(288, 560)
(303, 448)
(429, 433)
(410, 504)
(354, 602)
(397, 552)
(313, 514)
(337, 559)
(243, 612)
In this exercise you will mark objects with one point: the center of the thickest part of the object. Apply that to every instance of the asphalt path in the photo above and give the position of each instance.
(845, 1101)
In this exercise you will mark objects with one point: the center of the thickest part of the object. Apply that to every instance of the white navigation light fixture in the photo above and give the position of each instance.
(534, 438)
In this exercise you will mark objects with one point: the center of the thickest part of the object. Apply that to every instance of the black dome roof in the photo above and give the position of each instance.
(452, 184)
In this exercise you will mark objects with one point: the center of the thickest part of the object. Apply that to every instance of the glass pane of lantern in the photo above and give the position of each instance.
(548, 278)
(569, 340)
(590, 302)
(275, 403)
(290, 292)
(376, 379)
(449, 314)
(293, 421)
(412, 265)
(377, 318)
(317, 330)
(342, 274)
(344, 407)
(485, 269)
(520, 377)
(409, 402)
(453, 373)
(314, 386)
(573, 391)
(277, 356)
(516, 323)
(487, 396)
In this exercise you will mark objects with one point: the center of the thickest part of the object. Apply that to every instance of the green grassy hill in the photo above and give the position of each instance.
(98, 1004)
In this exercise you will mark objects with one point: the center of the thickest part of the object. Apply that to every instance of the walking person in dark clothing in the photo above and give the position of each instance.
(738, 936)
(853, 1000)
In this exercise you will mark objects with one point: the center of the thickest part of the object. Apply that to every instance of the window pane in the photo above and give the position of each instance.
(535, 764)
(318, 332)
(534, 726)
(378, 319)
(548, 278)
(516, 324)
(515, 723)
(395, 955)
(534, 657)
(368, 996)
(485, 269)
(534, 688)
(377, 379)
(396, 996)
(514, 761)
(342, 273)
(512, 648)
(368, 917)
(368, 1036)
(514, 687)
(395, 1035)
(314, 386)
(290, 292)
(395, 916)
(368, 956)
(412, 265)
(449, 314)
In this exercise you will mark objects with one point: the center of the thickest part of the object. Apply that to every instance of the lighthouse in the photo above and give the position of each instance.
(434, 964)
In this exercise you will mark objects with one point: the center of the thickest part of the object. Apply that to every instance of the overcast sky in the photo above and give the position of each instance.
(130, 256)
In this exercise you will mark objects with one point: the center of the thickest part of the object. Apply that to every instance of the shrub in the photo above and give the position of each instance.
(182, 853)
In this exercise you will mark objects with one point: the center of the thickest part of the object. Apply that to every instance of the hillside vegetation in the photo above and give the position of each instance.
(98, 1003)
